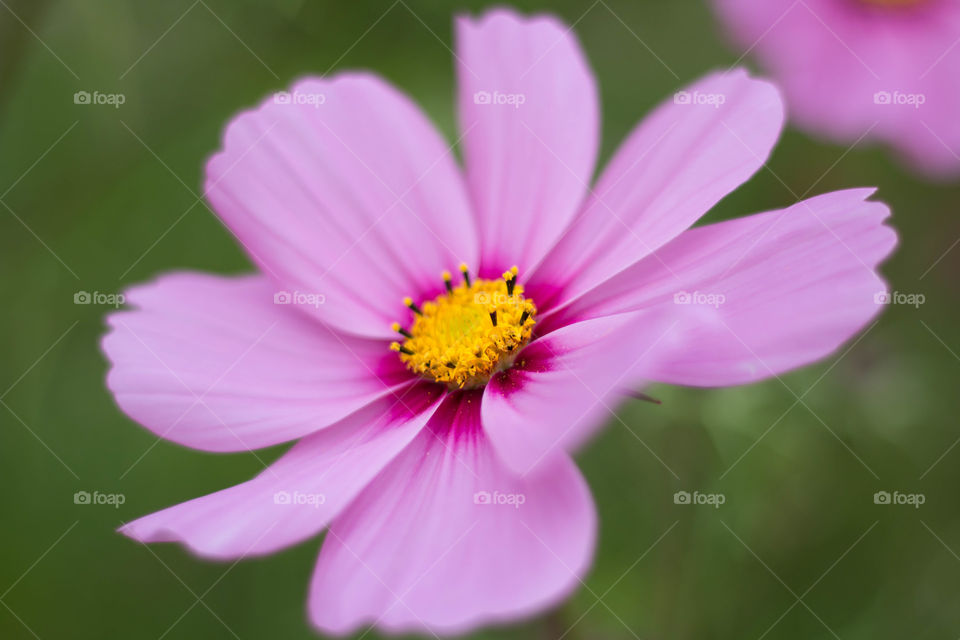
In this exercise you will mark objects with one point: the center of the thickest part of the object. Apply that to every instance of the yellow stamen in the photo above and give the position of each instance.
(413, 307)
(464, 336)
(510, 277)
(396, 346)
(396, 327)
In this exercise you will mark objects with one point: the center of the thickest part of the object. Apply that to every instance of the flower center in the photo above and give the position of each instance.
(464, 336)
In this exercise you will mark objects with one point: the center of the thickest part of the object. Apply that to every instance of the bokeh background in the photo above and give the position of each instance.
(96, 198)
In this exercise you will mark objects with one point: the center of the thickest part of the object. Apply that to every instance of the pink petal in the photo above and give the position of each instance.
(796, 284)
(298, 495)
(678, 163)
(212, 363)
(568, 383)
(416, 551)
(528, 165)
(358, 199)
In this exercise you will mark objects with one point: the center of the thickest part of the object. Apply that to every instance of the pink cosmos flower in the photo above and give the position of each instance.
(435, 452)
(883, 70)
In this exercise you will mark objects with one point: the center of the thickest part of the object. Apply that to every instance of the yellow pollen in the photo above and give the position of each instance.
(470, 332)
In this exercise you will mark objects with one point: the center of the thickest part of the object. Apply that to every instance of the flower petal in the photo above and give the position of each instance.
(589, 365)
(785, 288)
(680, 161)
(427, 546)
(529, 115)
(212, 363)
(298, 495)
(354, 196)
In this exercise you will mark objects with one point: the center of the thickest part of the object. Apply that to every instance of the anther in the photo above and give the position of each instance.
(396, 327)
(639, 395)
(523, 317)
(448, 281)
(396, 346)
(493, 317)
(466, 273)
(511, 278)
(413, 306)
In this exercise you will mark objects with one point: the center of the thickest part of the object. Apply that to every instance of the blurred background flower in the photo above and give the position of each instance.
(819, 531)
(863, 70)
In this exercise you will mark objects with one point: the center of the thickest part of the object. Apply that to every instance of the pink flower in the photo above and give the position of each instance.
(440, 467)
(884, 70)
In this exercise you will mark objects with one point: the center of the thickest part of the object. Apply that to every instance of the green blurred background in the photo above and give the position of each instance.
(96, 198)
